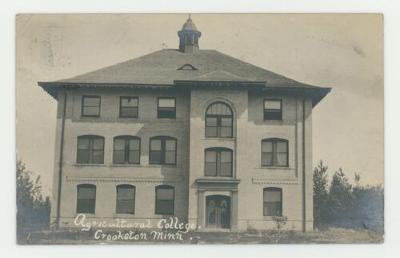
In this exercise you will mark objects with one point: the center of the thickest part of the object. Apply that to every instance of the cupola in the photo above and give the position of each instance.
(189, 37)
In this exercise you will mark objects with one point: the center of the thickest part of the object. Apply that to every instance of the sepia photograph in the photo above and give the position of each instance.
(199, 128)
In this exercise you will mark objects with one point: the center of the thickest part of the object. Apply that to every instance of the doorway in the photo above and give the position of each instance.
(218, 211)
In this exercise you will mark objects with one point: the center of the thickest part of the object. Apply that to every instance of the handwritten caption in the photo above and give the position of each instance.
(165, 229)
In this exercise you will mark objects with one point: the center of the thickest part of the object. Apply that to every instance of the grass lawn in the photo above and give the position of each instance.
(332, 235)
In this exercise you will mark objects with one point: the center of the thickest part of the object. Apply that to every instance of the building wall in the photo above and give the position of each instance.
(254, 177)
(107, 176)
(189, 129)
(249, 130)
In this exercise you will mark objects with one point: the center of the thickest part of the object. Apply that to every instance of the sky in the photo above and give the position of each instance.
(341, 51)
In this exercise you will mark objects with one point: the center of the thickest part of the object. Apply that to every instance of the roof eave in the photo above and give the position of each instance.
(52, 88)
(315, 92)
(211, 83)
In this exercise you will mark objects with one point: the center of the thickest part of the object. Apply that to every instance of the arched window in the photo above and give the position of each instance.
(163, 150)
(165, 198)
(274, 153)
(86, 198)
(125, 199)
(218, 162)
(272, 201)
(90, 149)
(126, 150)
(219, 120)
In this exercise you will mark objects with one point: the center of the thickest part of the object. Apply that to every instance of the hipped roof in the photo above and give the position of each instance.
(169, 67)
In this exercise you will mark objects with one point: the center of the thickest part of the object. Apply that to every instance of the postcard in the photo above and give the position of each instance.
(199, 128)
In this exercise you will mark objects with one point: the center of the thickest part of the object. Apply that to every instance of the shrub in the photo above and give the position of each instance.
(33, 211)
(280, 221)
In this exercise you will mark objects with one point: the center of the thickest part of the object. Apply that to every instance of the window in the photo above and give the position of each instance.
(165, 196)
(274, 153)
(272, 109)
(125, 199)
(166, 108)
(163, 150)
(219, 120)
(91, 106)
(90, 149)
(218, 162)
(126, 150)
(86, 202)
(272, 201)
(128, 107)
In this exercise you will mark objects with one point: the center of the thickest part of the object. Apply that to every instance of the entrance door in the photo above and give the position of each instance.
(218, 211)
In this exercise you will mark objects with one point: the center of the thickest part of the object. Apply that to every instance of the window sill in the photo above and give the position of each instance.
(123, 215)
(126, 165)
(275, 168)
(220, 138)
(268, 217)
(87, 215)
(84, 117)
(267, 120)
(212, 180)
(219, 177)
(273, 121)
(161, 165)
(89, 165)
(164, 216)
(128, 117)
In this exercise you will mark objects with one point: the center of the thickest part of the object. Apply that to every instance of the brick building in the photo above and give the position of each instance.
(185, 132)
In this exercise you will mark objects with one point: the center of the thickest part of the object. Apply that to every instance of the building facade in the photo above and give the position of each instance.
(189, 133)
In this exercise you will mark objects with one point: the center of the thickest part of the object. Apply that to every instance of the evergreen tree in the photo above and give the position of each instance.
(321, 196)
(342, 204)
(340, 199)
